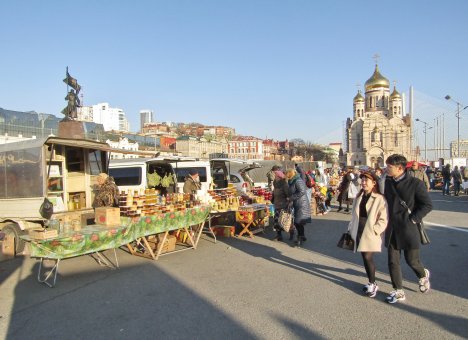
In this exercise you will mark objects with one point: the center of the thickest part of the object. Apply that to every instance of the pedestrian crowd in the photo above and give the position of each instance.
(387, 208)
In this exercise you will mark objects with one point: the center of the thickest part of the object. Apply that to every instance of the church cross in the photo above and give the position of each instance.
(376, 57)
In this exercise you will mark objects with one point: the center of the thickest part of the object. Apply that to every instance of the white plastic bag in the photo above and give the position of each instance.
(352, 190)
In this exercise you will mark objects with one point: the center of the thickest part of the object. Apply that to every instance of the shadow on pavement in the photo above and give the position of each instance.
(323, 234)
(272, 254)
(299, 330)
(455, 324)
(321, 231)
(8, 267)
(135, 302)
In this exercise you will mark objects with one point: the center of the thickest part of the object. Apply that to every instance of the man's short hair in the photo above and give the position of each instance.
(396, 160)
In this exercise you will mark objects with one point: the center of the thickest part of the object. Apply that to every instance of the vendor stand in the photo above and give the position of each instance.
(188, 226)
(94, 239)
(252, 218)
(249, 212)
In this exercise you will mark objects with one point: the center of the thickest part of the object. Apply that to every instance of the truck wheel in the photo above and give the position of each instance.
(12, 230)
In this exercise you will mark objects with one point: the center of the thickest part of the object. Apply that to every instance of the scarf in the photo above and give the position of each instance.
(293, 179)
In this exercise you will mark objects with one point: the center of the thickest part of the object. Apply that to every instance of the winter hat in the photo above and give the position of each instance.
(279, 173)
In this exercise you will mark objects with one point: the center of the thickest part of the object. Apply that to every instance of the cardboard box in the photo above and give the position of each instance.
(169, 244)
(224, 231)
(7, 248)
(42, 234)
(107, 216)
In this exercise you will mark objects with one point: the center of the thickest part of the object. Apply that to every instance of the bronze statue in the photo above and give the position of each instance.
(70, 111)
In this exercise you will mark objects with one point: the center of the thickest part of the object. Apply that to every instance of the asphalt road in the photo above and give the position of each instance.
(247, 289)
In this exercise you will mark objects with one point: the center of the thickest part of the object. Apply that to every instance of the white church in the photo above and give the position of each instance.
(379, 126)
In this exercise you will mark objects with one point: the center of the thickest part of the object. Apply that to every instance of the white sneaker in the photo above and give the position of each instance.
(372, 289)
(395, 296)
(424, 283)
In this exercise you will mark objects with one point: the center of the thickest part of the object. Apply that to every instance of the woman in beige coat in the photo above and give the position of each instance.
(368, 222)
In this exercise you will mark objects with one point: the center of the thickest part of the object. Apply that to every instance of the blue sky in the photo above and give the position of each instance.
(277, 69)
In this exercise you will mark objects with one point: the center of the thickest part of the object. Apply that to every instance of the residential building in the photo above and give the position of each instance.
(271, 150)
(245, 147)
(199, 147)
(113, 119)
(123, 144)
(146, 117)
(159, 129)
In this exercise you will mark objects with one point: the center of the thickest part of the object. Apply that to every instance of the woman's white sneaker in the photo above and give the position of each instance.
(424, 283)
(372, 289)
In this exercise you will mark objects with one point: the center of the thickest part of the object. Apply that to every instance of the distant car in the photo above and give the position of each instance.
(241, 180)
(239, 173)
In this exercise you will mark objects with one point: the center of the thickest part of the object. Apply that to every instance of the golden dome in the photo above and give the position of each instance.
(395, 94)
(358, 97)
(377, 80)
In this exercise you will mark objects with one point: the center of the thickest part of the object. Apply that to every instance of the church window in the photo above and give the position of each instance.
(358, 141)
(396, 138)
(370, 102)
(376, 136)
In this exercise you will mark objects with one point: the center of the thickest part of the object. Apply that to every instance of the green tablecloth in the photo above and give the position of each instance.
(95, 238)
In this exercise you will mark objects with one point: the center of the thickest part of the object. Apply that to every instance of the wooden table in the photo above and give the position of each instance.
(250, 217)
(94, 239)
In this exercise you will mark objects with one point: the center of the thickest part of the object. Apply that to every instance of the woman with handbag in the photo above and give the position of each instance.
(280, 200)
(368, 222)
(300, 204)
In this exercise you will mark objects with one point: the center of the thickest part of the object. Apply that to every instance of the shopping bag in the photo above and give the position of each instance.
(352, 190)
(346, 242)
(285, 220)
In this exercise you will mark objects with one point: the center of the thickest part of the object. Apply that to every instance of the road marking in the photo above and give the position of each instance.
(446, 226)
(449, 201)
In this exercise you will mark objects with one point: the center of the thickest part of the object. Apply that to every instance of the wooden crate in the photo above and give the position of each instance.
(42, 234)
(7, 248)
(107, 216)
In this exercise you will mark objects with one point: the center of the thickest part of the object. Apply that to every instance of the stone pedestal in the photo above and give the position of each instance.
(71, 129)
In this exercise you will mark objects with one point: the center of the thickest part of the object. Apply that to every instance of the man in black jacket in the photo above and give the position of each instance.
(402, 232)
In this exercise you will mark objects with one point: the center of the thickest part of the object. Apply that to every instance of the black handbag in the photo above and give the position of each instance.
(346, 242)
(47, 209)
(422, 233)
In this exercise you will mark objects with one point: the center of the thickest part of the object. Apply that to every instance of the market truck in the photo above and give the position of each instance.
(60, 169)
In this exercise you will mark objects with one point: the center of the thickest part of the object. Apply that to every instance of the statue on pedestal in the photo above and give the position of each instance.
(70, 111)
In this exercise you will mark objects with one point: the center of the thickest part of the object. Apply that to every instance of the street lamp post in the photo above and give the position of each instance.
(425, 137)
(458, 121)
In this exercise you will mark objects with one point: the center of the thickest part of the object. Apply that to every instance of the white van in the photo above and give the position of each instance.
(142, 173)
(182, 168)
(138, 174)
